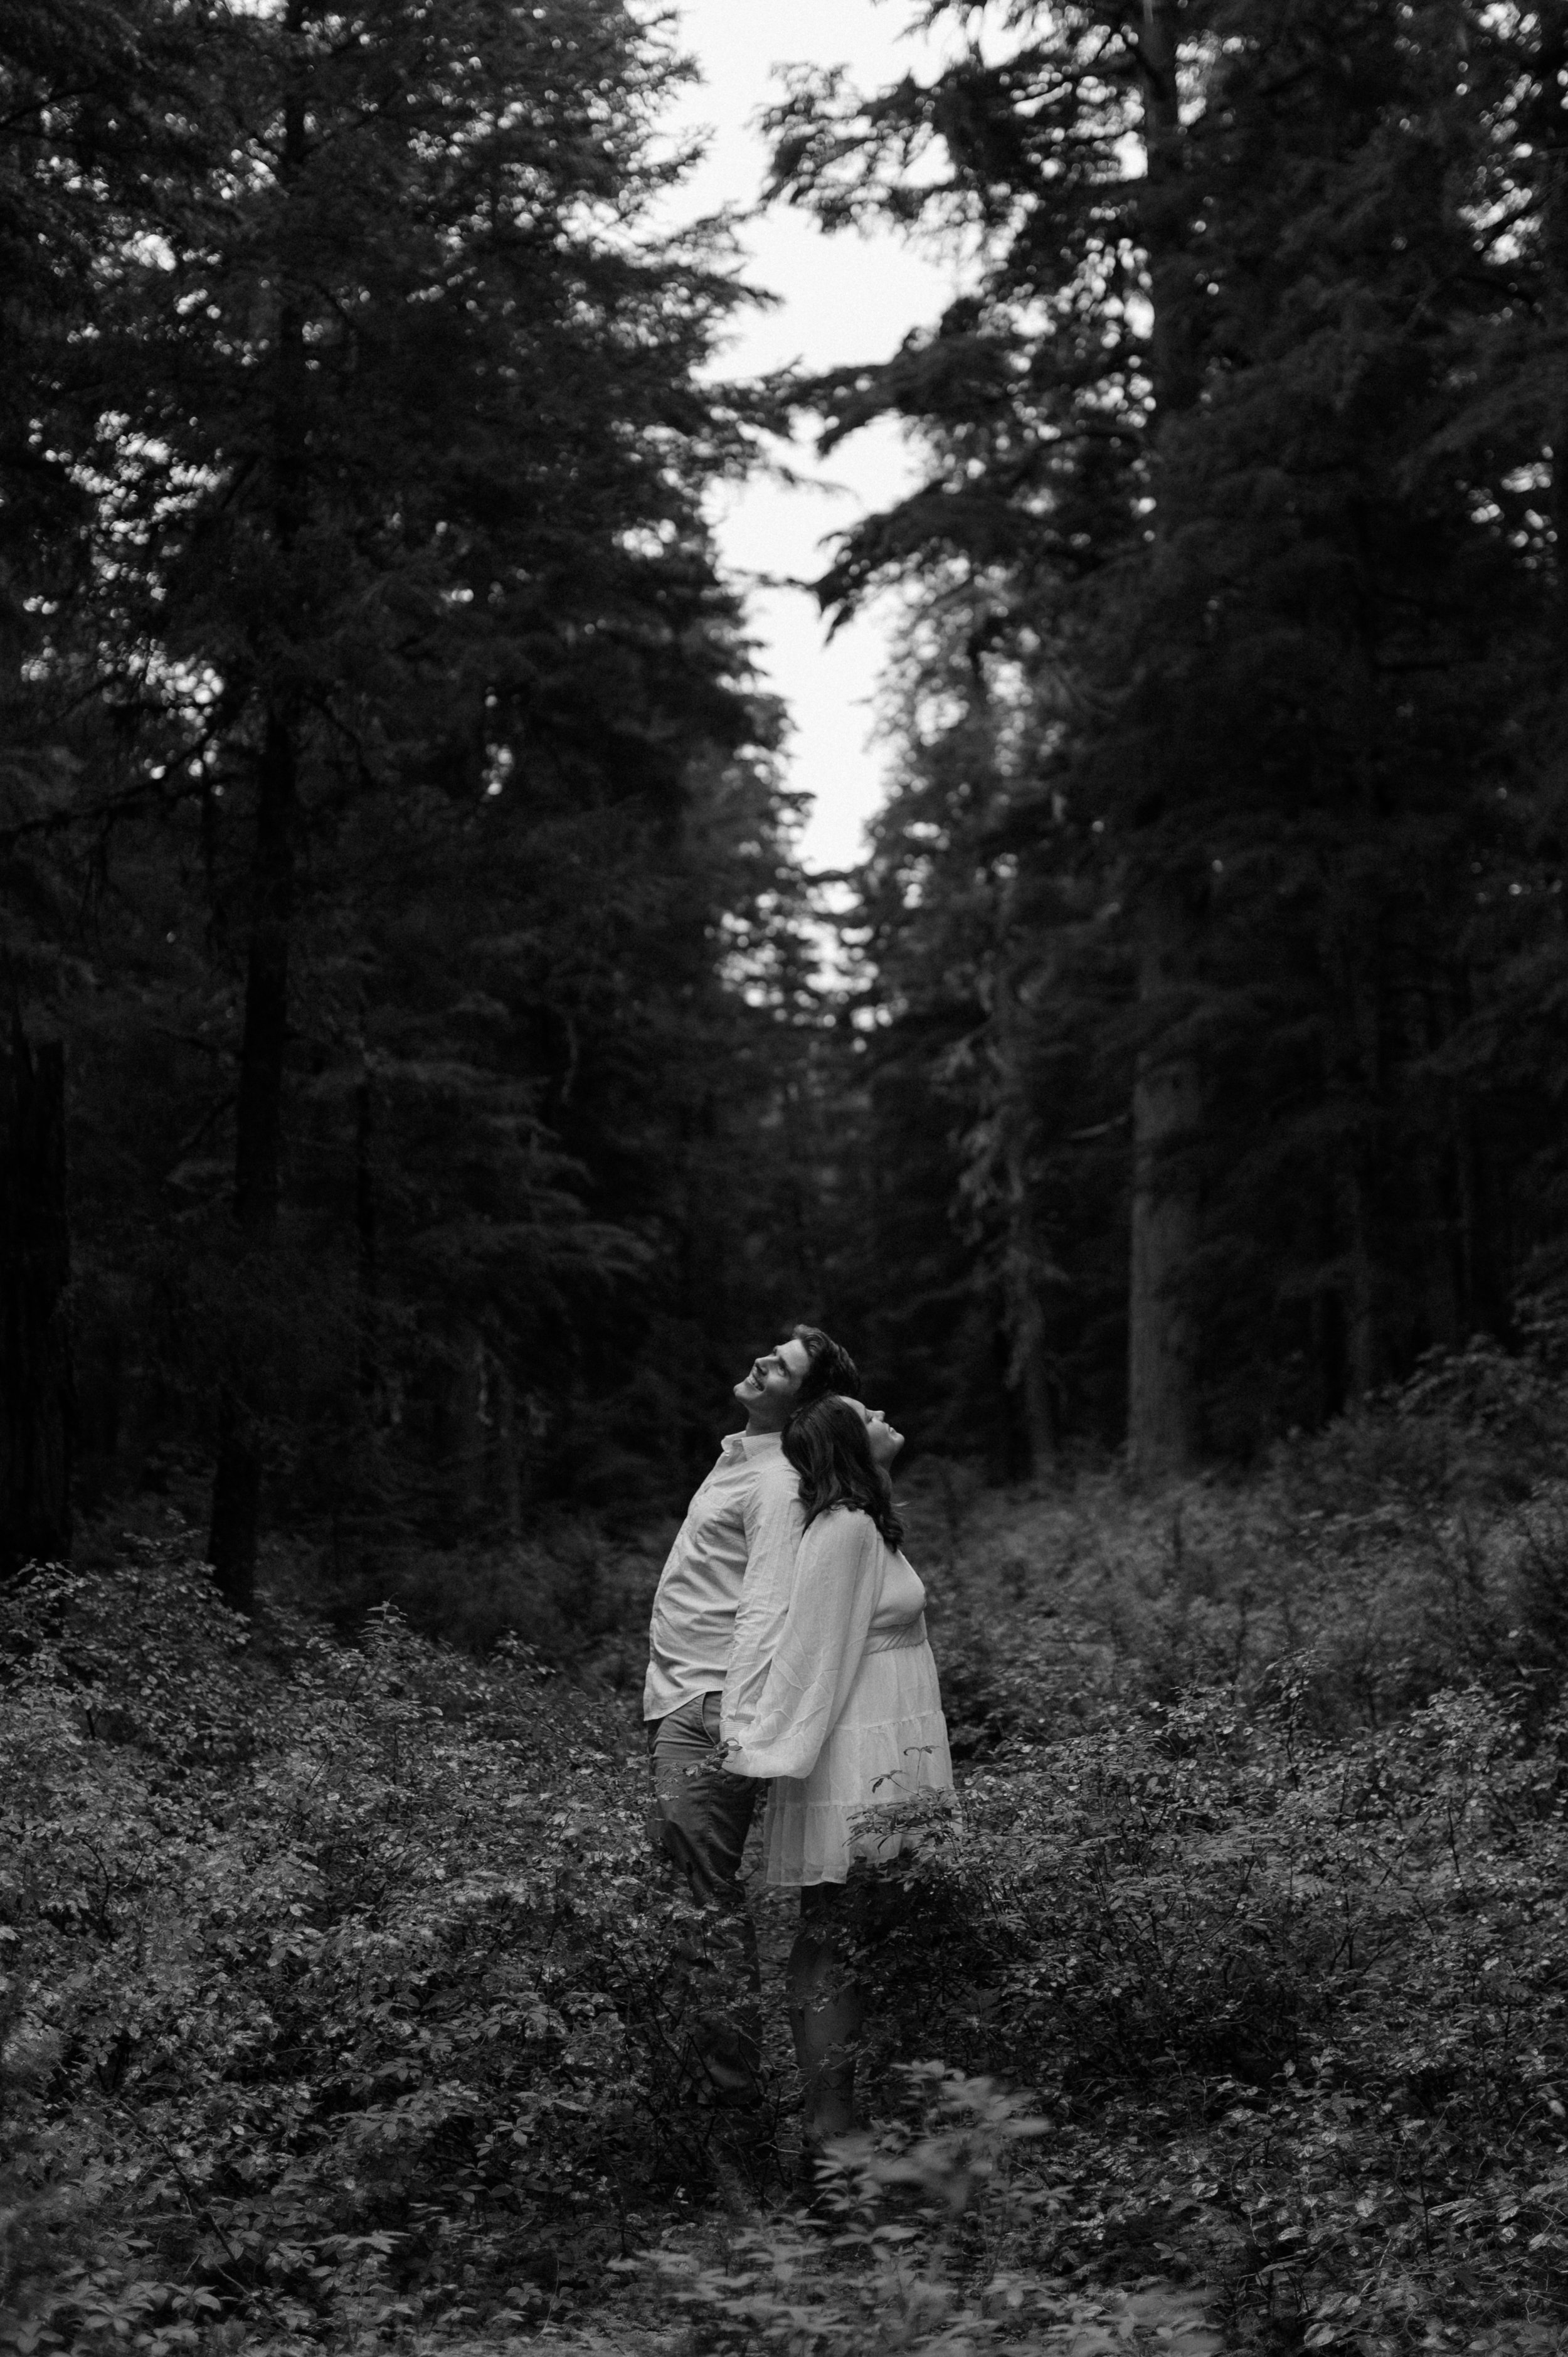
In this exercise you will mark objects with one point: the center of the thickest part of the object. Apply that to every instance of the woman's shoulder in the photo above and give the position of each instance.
(842, 1524)
(847, 1534)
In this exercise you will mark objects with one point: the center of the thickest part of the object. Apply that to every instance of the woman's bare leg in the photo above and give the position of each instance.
(826, 2011)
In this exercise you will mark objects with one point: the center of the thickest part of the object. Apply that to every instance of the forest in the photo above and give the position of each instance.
(430, 1071)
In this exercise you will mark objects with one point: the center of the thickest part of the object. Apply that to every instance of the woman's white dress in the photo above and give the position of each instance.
(850, 1719)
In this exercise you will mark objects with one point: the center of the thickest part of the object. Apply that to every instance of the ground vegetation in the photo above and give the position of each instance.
(339, 2001)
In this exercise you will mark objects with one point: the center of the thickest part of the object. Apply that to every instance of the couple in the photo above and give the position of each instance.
(788, 1647)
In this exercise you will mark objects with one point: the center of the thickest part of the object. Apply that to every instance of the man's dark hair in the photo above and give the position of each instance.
(831, 1368)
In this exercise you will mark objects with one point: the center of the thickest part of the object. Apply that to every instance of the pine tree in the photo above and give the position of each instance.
(1234, 440)
(411, 803)
(1053, 393)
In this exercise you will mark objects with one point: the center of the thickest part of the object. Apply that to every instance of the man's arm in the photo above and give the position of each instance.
(774, 1519)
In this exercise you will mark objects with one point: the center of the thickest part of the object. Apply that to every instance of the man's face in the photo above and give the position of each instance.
(768, 1390)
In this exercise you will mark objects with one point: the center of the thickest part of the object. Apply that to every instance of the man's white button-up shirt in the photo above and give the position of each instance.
(741, 1530)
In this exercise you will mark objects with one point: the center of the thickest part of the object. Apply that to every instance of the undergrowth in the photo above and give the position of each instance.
(339, 2005)
(337, 1976)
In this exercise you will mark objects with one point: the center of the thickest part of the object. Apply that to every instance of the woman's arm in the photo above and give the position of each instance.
(820, 1649)
(774, 1521)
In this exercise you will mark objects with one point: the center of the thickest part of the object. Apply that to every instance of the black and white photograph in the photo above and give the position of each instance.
(783, 1178)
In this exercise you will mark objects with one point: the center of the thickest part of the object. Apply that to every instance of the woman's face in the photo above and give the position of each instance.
(884, 1442)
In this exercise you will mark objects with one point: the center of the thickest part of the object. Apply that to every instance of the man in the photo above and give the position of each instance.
(720, 1600)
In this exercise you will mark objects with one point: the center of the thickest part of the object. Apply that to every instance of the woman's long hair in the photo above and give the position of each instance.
(826, 1444)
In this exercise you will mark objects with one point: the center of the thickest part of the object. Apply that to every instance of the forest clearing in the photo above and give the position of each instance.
(1236, 2021)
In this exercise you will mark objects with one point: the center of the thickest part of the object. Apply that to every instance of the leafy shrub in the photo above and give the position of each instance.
(1419, 1545)
(334, 1975)
(581, 1590)
(1297, 2010)
(339, 2005)
(927, 2255)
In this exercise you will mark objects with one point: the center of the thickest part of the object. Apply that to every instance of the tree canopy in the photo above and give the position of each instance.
(392, 818)
(396, 840)
(1233, 703)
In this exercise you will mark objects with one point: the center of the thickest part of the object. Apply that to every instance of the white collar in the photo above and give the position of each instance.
(749, 1444)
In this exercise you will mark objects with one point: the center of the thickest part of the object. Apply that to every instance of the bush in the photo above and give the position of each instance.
(334, 1975)
(929, 2256)
(1420, 1545)
(340, 2002)
(1297, 2011)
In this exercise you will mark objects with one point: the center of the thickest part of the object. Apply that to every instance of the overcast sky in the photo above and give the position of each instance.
(842, 299)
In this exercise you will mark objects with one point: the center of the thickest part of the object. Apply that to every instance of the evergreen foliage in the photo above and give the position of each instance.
(1234, 715)
(394, 836)
(392, 831)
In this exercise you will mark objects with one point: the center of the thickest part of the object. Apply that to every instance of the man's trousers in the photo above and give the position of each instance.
(700, 1820)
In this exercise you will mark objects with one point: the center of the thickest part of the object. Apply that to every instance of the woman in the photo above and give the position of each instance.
(849, 1728)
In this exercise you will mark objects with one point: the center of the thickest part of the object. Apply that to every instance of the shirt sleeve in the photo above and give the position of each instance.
(774, 1519)
(820, 1649)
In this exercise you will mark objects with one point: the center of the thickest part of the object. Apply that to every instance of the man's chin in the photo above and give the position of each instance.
(747, 1390)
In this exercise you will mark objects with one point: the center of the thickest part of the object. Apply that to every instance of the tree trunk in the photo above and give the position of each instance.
(467, 1405)
(1025, 1263)
(366, 1234)
(1166, 1090)
(258, 1146)
(242, 1403)
(1485, 1231)
(505, 1448)
(1544, 119)
(1039, 1408)
(1175, 361)
(1361, 1285)
(1359, 955)
(1166, 1108)
(37, 1406)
